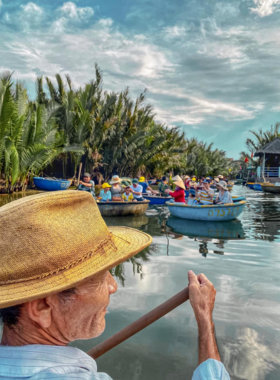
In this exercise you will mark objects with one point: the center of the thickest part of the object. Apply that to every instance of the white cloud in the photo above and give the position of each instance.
(70, 10)
(71, 14)
(31, 8)
(265, 7)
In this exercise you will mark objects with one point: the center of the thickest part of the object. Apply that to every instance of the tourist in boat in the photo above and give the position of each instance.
(224, 196)
(193, 183)
(179, 193)
(187, 181)
(206, 194)
(116, 189)
(59, 290)
(105, 193)
(87, 184)
(137, 190)
(192, 200)
(145, 186)
(162, 186)
(127, 195)
(200, 183)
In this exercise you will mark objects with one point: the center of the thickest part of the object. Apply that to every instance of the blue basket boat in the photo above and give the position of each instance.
(157, 200)
(51, 184)
(250, 185)
(257, 187)
(214, 213)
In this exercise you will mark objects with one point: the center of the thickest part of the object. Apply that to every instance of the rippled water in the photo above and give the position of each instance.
(241, 258)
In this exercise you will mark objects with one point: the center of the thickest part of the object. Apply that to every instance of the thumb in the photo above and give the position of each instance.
(192, 278)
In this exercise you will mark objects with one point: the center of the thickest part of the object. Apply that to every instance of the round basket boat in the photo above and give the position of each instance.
(51, 184)
(270, 188)
(212, 213)
(155, 200)
(122, 208)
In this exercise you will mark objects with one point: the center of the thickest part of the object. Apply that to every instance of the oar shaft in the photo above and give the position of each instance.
(140, 324)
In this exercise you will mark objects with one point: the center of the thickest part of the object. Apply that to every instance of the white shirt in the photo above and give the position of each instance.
(41, 362)
(138, 189)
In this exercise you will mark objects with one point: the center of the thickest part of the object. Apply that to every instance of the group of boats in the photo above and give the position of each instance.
(267, 187)
(211, 213)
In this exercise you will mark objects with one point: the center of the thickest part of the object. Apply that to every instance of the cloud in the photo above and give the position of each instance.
(72, 11)
(265, 7)
(32, 8)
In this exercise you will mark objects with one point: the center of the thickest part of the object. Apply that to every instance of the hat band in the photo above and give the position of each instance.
(69, 265)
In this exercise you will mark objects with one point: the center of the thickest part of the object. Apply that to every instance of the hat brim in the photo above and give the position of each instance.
(180, 184)
(128, 242)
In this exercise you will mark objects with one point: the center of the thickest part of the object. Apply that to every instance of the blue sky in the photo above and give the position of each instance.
(210, 67)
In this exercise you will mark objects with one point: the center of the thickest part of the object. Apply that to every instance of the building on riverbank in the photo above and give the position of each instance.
(269, 166)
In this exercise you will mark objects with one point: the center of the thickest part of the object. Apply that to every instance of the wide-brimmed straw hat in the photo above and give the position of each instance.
(53, 241)
(115, 179)
(179, 182)
(222, 184)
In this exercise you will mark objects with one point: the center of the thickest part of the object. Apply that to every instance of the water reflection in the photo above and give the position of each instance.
(204, 232)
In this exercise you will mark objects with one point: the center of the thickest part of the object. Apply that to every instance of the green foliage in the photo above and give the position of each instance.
(111, 133)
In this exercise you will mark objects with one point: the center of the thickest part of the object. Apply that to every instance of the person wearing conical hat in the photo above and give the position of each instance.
(55, 287)
(179, 193)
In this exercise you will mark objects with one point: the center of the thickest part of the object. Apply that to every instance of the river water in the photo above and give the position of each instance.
(241, 258)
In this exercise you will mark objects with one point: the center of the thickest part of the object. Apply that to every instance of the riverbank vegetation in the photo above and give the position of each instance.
(108, 131)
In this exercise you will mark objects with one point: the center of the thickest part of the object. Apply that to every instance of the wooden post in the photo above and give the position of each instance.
(79, 176)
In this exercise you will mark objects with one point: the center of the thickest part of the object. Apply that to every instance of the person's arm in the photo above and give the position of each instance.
(202, 299)
(211, 193)
(86, 184)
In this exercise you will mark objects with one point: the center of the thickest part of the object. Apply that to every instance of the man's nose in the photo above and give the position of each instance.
(112, 284)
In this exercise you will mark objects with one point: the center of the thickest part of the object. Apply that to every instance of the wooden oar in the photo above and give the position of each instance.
(79, 176)
(140, 324)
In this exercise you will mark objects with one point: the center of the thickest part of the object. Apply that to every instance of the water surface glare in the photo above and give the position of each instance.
(241, 258)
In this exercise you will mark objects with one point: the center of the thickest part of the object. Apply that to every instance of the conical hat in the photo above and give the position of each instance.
(179, 182)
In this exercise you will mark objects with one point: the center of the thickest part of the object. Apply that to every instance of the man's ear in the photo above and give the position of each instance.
(39, 311)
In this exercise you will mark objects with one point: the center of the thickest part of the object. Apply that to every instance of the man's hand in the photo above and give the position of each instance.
(202, 298)
(202, 295)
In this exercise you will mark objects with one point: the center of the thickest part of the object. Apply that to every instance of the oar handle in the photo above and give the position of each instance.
(140, 324)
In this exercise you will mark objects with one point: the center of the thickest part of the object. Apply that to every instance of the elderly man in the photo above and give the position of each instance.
(55, 287)
(87, 184)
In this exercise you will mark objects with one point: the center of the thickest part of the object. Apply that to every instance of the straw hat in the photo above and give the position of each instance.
(52, 241)
(106, 185)
(115, 179)
(222, 184)
(179, 182)
(220, 176)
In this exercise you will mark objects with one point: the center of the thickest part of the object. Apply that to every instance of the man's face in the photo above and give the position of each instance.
(135, 184)
(86, 179)
(82, 315)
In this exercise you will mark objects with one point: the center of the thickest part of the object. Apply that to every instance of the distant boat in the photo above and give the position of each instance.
(155, 200)
(122, 208)
(221, 213)
(257, 187)
(270, 188)
(250, 185)
(51, 184)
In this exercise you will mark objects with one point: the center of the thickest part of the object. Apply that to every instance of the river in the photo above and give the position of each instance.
(241, 258)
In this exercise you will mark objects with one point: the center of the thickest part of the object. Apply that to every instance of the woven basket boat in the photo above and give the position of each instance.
(213, 213)
(122, 208)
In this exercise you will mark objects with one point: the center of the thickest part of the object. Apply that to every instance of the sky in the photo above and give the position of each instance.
(210, 67)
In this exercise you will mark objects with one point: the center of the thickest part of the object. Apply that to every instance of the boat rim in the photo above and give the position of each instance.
(122, 203)
(52, 179)
(206, 206)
